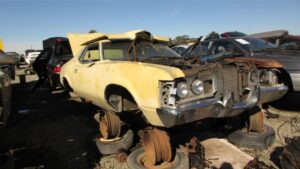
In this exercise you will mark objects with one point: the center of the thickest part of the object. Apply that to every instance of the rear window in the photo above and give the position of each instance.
(63, 48)
(116, 51)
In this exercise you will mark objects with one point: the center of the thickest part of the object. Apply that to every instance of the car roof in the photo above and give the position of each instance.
(276, 33)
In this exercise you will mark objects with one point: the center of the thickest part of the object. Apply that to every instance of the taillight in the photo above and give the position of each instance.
(57, 68)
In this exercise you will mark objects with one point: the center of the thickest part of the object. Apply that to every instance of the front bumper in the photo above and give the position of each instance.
(207, 108)
(272, 93)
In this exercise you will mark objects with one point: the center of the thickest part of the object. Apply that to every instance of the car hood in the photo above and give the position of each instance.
(79, 41)
(185, 66)
(289, 62)
(259, 62)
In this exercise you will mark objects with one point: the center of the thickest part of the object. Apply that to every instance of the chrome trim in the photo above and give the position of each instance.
(202, 109)
(272, 93)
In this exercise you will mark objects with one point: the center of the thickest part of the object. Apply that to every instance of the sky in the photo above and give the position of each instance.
(24, 24)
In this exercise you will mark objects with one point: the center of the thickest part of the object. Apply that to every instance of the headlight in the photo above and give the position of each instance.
(264, 76)
(182, 90)
(197, 86)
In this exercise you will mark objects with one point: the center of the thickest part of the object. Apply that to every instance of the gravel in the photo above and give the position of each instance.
(57, 131)
(283, 129)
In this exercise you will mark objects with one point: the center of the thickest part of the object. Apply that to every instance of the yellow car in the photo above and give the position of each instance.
(136, 74)
(1, 44)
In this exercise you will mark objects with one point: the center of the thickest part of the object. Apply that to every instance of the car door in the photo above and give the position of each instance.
(40, 64)
(86, 73)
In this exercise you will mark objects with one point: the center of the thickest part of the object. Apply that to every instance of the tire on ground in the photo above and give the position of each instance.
(253, 139)
(112, 147)
(181, 160)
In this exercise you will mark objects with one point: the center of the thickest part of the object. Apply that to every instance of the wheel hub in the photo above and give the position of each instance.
(110, 125)
(158, 151)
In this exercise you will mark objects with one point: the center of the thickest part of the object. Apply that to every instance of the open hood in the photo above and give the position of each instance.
(79, 41)
(76, 41)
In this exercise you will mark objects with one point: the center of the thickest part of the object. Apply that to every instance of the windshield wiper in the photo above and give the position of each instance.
(186, 53)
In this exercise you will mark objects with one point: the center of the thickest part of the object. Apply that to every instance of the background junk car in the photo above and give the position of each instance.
(56, 52)
(15, 56)
(8, 64)
(273, 74)
(281, 38)
(5, 87)
(31, 55)
(134, 74)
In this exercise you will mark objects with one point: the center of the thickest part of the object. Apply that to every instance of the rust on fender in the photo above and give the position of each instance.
(261, 63)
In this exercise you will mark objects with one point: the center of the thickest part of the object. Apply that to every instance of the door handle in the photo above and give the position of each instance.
(75, 70)
(92, 64)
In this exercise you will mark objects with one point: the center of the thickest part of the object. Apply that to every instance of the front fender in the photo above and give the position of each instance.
(140, 79)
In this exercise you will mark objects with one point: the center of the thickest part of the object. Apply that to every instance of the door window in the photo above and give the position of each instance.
(91, 54)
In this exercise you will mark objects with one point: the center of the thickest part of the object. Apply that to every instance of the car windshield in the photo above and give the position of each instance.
(214, 50)
(144, 50)
(254, 45)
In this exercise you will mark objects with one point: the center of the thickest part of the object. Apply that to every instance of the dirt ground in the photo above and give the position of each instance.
(51, 130)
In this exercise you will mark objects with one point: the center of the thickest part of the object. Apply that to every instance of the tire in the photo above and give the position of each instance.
(112, 147)
(181, 160)
(253, 139)
(290, 157)
(7, 162)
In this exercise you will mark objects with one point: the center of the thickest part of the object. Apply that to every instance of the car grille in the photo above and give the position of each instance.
(231, 81)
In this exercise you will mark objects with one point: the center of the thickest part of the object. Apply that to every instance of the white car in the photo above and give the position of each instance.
(31, 56)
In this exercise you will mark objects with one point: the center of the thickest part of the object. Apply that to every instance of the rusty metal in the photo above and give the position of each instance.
(196, 153)
(157, 147)
(133, 47)
(261, 63)
(256, 122)
(166, 148)
(110, 125)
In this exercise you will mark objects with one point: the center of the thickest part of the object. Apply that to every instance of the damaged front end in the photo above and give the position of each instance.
(268, 72)
(210, 90)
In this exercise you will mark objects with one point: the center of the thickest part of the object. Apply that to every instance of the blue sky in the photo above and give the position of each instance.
(25, 23)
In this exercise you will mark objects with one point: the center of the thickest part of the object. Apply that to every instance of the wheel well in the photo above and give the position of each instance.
(67, 85)
(285, 78)
(126, 100)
